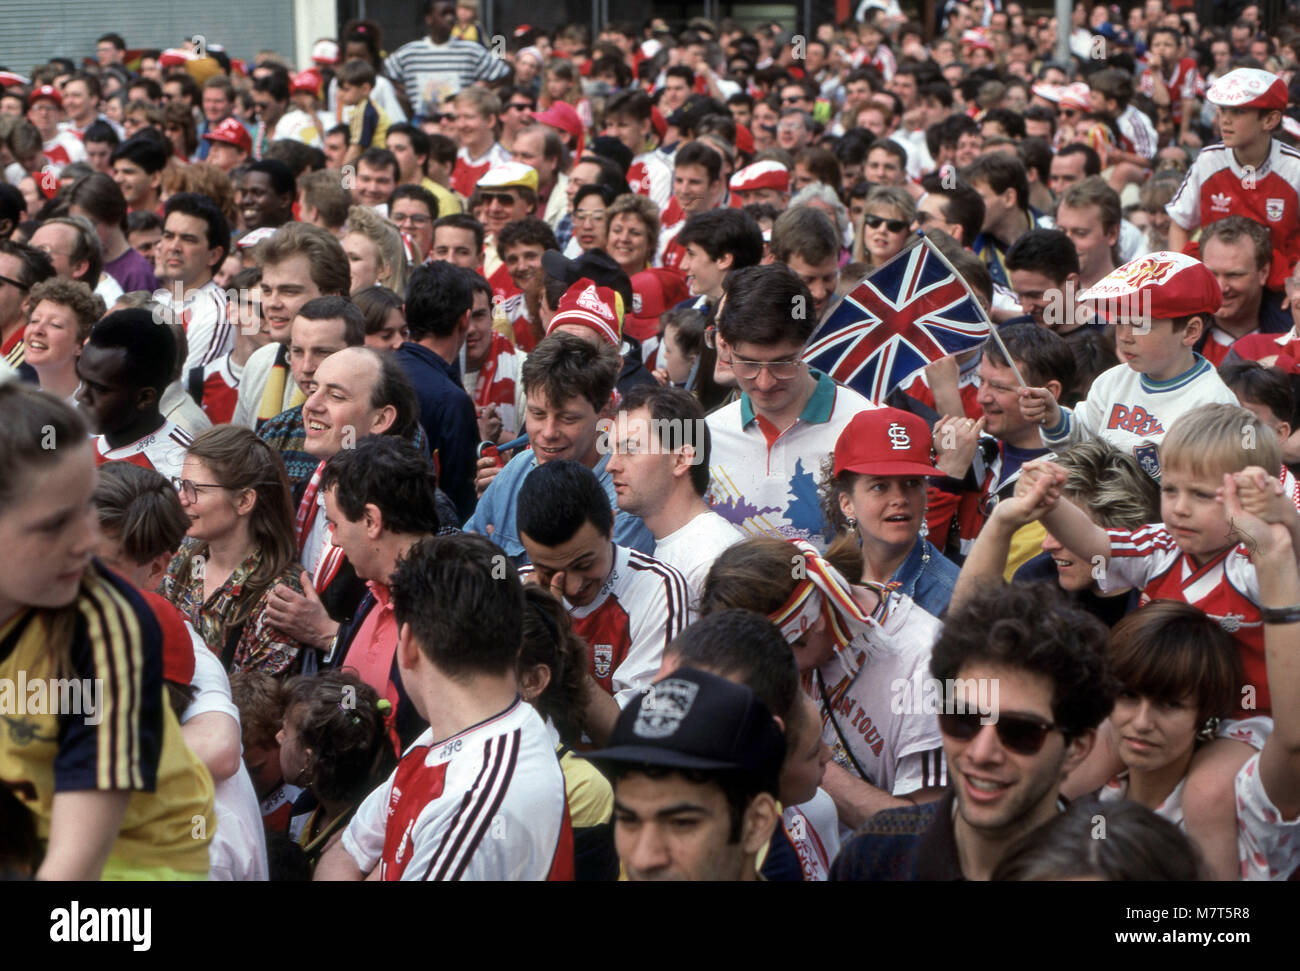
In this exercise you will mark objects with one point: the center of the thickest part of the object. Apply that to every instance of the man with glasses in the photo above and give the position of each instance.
(45, 109)
(1018, 714)
(21, 268)
(516, 115)
(768, 447)
(413, 209)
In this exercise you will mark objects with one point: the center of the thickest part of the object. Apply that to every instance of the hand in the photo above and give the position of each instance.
(1260, 494)
(1032, 472)
(955, 442)
(300, 616)
(944, 371)
(1039, 406)
(1263, 538)
(661, 375)
(484, 472)
(489, 424)
(1030, 502)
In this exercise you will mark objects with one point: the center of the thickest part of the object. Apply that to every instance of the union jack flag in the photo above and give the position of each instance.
(910, 312)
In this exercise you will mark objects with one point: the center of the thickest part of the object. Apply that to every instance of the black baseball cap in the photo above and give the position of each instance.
(696, 720)
(595, 265)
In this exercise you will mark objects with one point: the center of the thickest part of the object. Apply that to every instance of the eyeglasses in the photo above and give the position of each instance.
(749, 370)
(415, 219)
(588, 217)
(189, 489)
(525, 106)
(1068, 112)
(14, 283)
(1024, 736)
(893, 225)
(505, 198)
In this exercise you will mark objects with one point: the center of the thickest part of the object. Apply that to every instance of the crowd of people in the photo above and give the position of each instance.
(412, 457)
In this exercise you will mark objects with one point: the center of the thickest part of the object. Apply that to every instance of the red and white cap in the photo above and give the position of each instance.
(1248, 87)
(306, 81)
(46, 91)
(325, 52)
(976, 38)
(1075, 96)
(886, 441)
(1162, 285)
(175, 57)
(767, 174)
(253, 237)
(588, 305)
(231, 132)
(1048, 92)
(8, 79)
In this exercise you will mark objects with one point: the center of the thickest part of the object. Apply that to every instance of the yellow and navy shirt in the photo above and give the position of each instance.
(132, 741)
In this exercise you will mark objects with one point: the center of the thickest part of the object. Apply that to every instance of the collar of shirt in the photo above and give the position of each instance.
(907, 574)
(815, 412)
(381, 593)
(433, 359)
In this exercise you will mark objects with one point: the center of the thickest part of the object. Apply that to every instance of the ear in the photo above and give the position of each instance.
(1077, 751)
(408, 652)
(145, 397)
(215, 257)
(383, 420)
(246, 502)
(1055, 388)
(1192, 332)
(1283, 431)
(846, 505)
(79, 268)
(374, 520)
(726, 261)
(158, 569)
(534, 680)
(759, 822)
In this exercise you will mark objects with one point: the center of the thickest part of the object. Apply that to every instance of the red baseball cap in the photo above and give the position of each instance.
(175, 57)
(562, 117)
(46, 91)
(653, 291)
(231, 132)
(886, 441)
(9, 79)
(308, 81)
(1162, 285)
(744, 140)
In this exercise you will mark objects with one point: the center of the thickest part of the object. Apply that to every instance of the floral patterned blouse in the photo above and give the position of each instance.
(261, 647)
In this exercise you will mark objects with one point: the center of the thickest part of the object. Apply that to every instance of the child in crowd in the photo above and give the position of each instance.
(367, 123)
(261, 701)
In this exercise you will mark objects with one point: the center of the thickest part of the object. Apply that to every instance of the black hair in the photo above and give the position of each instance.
(150, 350)
(529, 230)
(278, 172)
(437, 296)
(555, 499)
(1033, 628)
(276, 84)
(1001, 172)
(612, 174)
(1091, 160)
(767, 305)
(963, 205)
(722, 231)
(390, 473)
(102, 133)
(746, 647)
(334, 307)
(144, 151)
(462, 220)
(1012, 123)
(380, 158)
(201, 207)
(1267, 386)
(342, 725)
(565, 366)
(465, 612)
(697, 153)
(417, 192)
(1036, 155)
(37, 267)
(1043, 354)
(1045, 251)
(1137, 845)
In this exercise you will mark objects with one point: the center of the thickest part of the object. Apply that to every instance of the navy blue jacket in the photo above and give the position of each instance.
(448, 418)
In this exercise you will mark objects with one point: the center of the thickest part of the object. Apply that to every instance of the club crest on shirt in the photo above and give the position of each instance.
(1148, 458)
(672, 700)
(1274, 208)
(602, 659)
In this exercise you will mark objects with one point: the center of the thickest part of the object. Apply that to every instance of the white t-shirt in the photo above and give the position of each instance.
(693, 548)
(238, 847)
(1133, 413)
(205, 314)
(486, 804)
(813, 829)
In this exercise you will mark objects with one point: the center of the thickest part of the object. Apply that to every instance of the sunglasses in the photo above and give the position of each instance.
(505, 198)
(1024, 736)
(893, 225)
(526, 106)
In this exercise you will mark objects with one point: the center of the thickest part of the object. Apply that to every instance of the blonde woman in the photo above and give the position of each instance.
(632, 232)
(376, 252)
(886, 225)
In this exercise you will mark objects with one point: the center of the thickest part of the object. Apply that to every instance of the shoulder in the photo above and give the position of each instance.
(885, 846)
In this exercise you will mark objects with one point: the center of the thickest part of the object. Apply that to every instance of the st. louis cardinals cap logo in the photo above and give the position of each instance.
(899, 440)
(665, 707)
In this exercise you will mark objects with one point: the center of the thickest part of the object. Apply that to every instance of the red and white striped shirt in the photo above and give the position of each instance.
(205, 314)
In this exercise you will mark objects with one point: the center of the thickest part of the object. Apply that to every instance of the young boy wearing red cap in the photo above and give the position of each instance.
(230, 145)
(1251, 174)
(1160, 304)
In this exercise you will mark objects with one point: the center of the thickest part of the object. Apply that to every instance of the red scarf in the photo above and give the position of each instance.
(332, 556)
(496, 383)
